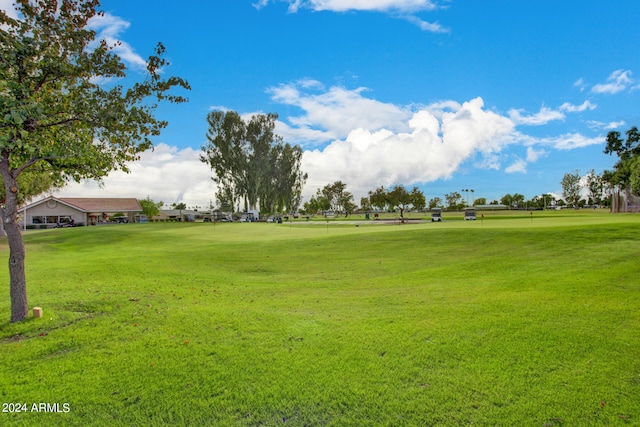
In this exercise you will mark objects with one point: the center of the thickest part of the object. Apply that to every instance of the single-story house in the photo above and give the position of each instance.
(52, 211)
(184, 215)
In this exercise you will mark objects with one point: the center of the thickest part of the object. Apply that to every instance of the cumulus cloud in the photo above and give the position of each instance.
(437, 142)
(333, 113)
(165, 174)
(618, 81)
(109, 28)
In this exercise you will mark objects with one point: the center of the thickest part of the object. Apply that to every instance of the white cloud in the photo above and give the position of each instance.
(362, 5)
(165, 174)
(594, 124)
(489, 161)
(571, 141)
(544, 116)
(533, 155)
(519, 166)
(432, 27)
(404, 9)
(334, 113)
(109, 27)
(434, 147)
(618, 81)
(570, 108)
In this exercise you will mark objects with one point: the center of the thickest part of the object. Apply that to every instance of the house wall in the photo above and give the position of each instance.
(51, 210)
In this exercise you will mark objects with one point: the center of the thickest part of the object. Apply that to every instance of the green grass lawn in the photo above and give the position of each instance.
(512, 320)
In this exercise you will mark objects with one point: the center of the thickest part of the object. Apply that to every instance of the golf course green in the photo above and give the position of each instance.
(515, 319)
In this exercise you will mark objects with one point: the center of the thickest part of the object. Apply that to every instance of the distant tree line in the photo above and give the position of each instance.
(335, 198)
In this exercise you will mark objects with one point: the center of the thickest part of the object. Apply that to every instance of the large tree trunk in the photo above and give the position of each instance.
(19, 305)
(18, 282)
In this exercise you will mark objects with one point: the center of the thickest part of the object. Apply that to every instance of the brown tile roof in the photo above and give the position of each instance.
(103, 204)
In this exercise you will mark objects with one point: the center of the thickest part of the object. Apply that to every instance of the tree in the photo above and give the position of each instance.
(517, 200)
(365, 204)
(378, 198)
(149, 207)
(398, 197)
(57, 117)
(225, 199)
(317, 204)
(634, 175)
(571, 188)
(507, 200)
(513, 201)
(32, 182)
(251, 163)
(224, 153)
(549, 199)
(284, 191)
(453, 200)
(541, 201)
(435, 202)
(626, 172)
(336, 197)
(479, 201)
(595, 187)
(418, 200)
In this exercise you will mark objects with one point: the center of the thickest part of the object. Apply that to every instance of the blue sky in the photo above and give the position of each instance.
(496, 96)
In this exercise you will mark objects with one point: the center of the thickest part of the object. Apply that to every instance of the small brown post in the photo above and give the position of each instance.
(37, 312)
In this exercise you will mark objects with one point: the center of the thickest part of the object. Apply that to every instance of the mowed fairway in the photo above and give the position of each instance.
(510, 320)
